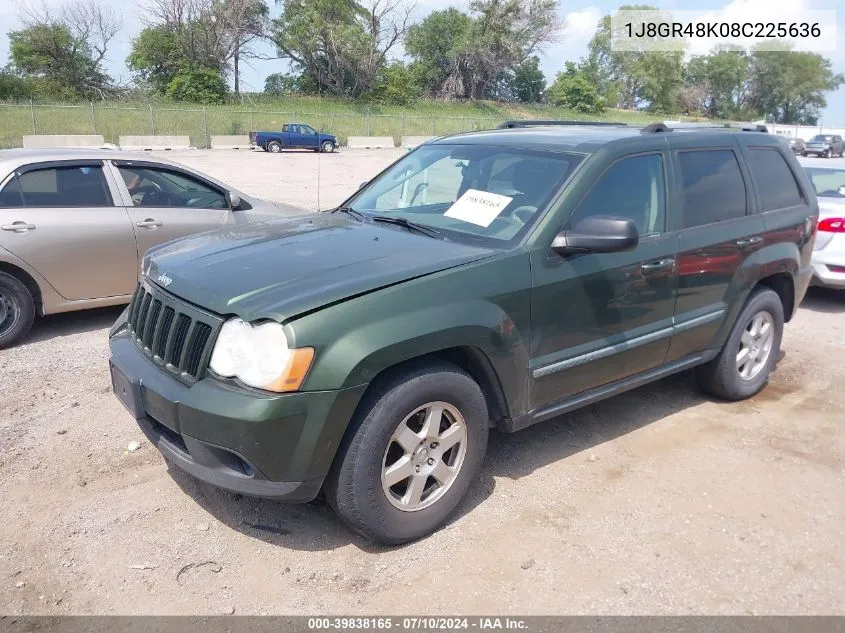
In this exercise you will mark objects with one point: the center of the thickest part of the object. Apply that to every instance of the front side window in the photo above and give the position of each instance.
(713, 187)
(155, 187)
(77, 186)
(632, 188)
(469, 191)
(775, 181)
(828, 183)
(305, 129)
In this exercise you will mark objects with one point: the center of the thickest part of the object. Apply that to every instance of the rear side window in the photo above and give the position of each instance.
(713, 187)
(775, 180)
(78, 186)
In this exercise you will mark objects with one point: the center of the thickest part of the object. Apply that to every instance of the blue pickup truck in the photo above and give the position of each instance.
(294, 136)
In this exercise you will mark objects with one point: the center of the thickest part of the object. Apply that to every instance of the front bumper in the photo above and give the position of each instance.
(817, 151)
(264, 445)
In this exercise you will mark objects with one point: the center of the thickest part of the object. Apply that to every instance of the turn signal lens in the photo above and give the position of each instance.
(832, 225)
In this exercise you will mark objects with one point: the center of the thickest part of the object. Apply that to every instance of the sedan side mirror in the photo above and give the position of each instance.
(599, 234)
(234, 200)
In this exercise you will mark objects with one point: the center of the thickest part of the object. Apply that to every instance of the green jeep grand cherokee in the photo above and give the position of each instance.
(486, 280)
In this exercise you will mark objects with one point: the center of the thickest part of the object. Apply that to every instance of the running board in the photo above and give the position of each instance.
(511, 425)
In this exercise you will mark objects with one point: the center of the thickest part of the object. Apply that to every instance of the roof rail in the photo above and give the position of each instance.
(654, 128)
(534, 122)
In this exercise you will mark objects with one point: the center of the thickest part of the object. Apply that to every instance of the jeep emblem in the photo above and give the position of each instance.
(164, 280)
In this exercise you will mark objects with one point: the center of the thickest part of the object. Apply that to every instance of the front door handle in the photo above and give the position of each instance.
(18, 227)
(661, 264)
(149, 223)
(749, 242)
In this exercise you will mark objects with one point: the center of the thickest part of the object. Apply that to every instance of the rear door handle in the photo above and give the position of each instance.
(149, 223)
(661, 264)
(748, 242)
(18, 227)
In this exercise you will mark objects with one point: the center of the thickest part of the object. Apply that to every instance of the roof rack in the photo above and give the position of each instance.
(535, 122)
(654, 128)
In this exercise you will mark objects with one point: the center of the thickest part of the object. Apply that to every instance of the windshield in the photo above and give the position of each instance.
(828, 183)
(468, 191)
(821, 137)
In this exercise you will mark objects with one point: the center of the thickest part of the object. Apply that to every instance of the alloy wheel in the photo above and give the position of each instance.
(755, 345)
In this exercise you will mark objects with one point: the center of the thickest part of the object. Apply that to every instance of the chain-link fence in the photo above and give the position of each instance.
(201, 123)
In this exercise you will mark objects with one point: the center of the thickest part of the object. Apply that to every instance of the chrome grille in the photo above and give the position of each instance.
(172, 333)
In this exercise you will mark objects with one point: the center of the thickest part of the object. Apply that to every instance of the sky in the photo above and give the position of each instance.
(580, 18)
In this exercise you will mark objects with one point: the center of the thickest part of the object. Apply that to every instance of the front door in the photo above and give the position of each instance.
(597, 318)
(61, 219)
(718, 231)
(168, 203)
(308, 137)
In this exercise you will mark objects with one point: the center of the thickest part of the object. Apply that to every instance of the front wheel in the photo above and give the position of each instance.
(743, 366)
(416, 445)
(17, 310)
(828, 154)
(327, 147)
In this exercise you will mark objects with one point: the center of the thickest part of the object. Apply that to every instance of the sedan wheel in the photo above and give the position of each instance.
(17, 310)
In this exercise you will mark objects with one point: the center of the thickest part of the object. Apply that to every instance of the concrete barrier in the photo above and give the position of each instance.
(411, 142)
(134, 143)
(370, 142)
(63, 140)
(231, 141)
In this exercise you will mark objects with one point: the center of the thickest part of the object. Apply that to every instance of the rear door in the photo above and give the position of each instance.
(295, 137)
(167, 203)
(714, 212)
(66, 220)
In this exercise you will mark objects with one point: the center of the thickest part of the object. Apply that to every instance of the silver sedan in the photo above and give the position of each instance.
(829, 253)
(74, 225)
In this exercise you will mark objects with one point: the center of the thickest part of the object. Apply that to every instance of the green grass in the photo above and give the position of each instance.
(340, 117)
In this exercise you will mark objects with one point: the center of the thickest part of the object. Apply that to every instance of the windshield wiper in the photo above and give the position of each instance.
(411, 226)
(350, 211)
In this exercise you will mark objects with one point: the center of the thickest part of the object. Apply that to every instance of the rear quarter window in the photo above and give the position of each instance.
(776, 183)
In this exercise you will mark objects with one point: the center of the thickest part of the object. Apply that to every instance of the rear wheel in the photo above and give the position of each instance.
(274, 147)
(17, 310)
(417, 444)
(743, 366)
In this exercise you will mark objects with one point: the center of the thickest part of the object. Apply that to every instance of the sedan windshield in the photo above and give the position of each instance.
(468, 191)
(828, 183)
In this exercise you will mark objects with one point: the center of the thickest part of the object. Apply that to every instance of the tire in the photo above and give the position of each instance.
(384, 512)
(327, 147)
(17, 310)
(722, 377)
(274, 147)
(828, 154)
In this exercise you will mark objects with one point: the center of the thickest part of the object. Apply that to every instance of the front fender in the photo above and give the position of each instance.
(484, 306)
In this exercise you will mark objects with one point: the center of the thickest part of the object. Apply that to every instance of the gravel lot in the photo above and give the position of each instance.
(658, 501)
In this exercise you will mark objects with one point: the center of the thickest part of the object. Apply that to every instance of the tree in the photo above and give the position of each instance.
(156, 56)
(789, 86)
(396, 84)
(528, 81)
(341, 44)
(63, 49)
(196, 84)
(638, 78)
(246, 22)
(573, 89)
(472, 56)
(722, 80)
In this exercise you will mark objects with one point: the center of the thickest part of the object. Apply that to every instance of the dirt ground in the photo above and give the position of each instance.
(658, 501)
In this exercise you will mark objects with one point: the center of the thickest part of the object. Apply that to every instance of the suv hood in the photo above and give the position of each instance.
(285, 267)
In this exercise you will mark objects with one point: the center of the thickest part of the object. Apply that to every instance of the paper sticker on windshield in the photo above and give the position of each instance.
(478, 207)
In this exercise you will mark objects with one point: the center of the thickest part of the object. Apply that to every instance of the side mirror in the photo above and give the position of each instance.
(234, 200)
(599, 234)
(363, 184)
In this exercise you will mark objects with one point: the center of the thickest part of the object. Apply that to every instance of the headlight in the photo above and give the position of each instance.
(259, 356)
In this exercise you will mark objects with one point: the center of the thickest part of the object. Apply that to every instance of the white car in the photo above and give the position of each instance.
(829, 252)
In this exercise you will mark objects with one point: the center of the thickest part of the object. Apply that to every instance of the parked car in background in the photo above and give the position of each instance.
(797, 145)
(492, 279)
(294, 136)
(827, 145)
(74, 224)
(829, 252)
